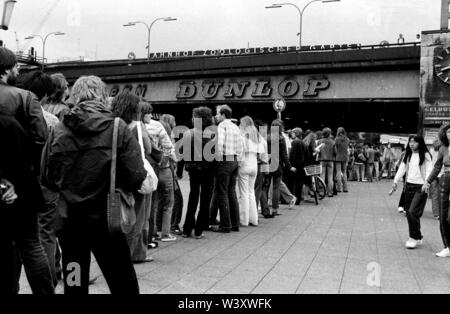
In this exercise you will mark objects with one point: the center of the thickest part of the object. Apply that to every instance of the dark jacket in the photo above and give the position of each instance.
(342, 143)
(16, 167)
(299, 156)
(77, 159)
(194, 158)
(25, 107)
(328, 151)
(279, 157)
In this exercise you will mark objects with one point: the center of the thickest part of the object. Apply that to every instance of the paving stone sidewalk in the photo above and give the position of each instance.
(350, 244)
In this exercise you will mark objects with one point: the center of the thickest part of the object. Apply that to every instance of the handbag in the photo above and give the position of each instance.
(120, 208)
(150, 183)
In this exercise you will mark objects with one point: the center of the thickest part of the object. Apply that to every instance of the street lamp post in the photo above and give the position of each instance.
(8, 8)
(44, 41)
(300, 12)
(149, 29)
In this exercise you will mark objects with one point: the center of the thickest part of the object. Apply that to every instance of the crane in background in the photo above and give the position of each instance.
(38, 29)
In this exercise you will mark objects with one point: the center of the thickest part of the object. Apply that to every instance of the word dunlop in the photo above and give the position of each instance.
(263, 88)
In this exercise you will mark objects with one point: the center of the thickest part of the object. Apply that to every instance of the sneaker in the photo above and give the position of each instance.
(444, 253)
(292, 203)
(436, 217)
(198, 237)
(168, 238)
(412, 244)
(401, 210)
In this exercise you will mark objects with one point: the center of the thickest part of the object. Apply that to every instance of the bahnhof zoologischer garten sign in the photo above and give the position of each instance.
(249, 51)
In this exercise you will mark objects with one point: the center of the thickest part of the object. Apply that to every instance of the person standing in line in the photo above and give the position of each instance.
(248, 171)
(201, 173)
(166, 188)
(417, 167)
(19, 204)
(177, 211)
(370, 156)
(360, 160)
(326, 157)
(299, 157)
(127, 106)
(443, 164)
(40, 84)
(376, 165)
(279, 159)
(77, 164)
(342, 159)
(229, 151)
(161, 143)
(263, 172)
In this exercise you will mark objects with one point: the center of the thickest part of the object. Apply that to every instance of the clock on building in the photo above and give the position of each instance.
(442, 65)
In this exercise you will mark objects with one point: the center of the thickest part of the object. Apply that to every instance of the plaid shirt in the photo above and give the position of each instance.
(230, 141)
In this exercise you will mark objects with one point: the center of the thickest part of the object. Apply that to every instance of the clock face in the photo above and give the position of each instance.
(442, 65)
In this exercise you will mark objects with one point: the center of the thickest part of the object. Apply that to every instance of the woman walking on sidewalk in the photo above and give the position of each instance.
(417, 166)
(443, 162)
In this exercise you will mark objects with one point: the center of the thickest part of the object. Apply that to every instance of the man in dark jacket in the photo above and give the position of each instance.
(77, 163)
(298, 157)
(21, 104)
(20, 228)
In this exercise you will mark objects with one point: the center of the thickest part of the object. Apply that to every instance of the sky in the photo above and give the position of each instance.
(94, 28)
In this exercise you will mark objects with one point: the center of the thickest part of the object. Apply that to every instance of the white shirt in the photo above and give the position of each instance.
(414, 174)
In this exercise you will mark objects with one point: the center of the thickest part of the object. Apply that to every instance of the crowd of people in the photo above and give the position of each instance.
(56, 172)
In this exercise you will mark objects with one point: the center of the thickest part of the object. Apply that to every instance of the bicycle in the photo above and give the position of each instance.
(318, 187)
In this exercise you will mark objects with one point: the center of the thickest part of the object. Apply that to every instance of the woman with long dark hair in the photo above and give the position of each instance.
(417, 166)
(443, 162)
(127, 106)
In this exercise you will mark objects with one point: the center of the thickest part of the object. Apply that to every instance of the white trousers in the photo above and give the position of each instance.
(247, 200)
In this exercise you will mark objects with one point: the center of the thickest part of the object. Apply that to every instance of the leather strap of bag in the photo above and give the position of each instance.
(112, 188)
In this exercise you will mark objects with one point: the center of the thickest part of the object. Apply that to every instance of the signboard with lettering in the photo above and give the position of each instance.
(333, 86)
(435, 80)
(249, 51)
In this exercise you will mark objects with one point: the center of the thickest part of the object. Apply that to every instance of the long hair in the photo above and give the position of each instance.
(341, 132)
(310, 141)
(443, 135)
(169, 120)
(60, 87)
(126, 106)
(249, 130)
(423, 150)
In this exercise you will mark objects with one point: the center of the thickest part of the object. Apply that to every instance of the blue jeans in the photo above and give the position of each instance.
(19, 239)
(327, 175)
(226, 179)
(165, 201)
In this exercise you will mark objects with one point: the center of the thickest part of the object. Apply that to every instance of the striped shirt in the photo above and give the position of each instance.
(230, 142)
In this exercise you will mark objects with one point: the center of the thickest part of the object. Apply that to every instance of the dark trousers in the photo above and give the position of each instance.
(213, 207)
(276, 178)
(415, 201)
(444, 214)
(201, 184)
(47, 232)
(177, 211)
(85, 233)
(19, 236)
(299, 181)
(261, 193)
(226, 179)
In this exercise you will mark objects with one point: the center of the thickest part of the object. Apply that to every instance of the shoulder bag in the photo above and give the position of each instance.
(150, 183)
(120, 211)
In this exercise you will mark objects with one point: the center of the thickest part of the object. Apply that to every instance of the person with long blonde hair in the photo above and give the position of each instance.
(248, 170)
